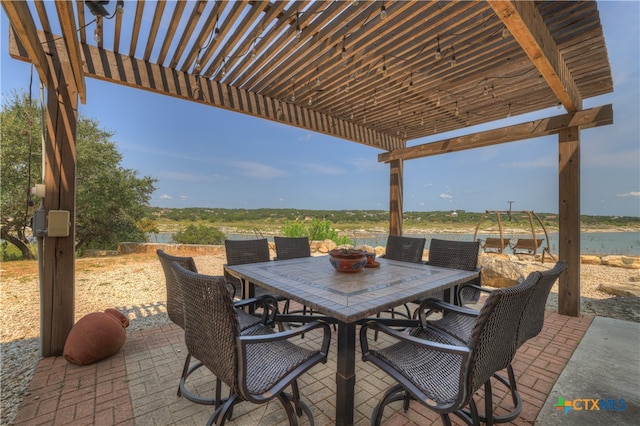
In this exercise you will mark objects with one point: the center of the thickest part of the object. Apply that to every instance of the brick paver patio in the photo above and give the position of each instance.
(138, 385)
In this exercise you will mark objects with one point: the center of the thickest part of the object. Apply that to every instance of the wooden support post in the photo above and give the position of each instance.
(57, 282)
(569, 221)
(395, 197)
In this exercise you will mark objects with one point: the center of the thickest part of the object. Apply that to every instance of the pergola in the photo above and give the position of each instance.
(379, 73)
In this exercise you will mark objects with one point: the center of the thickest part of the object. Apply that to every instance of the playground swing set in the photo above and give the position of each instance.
(518, 245)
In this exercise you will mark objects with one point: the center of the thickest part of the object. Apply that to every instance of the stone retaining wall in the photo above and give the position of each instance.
(323, 247)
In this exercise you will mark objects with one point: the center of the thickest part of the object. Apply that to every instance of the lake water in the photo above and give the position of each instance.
(601, 243)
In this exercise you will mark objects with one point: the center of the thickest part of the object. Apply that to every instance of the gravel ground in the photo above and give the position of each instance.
(134, 284)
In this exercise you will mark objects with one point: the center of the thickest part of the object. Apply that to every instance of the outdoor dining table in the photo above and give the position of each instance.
(347, 298)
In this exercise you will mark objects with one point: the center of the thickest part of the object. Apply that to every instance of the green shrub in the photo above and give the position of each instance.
(199, 235)
(318, 230)
(10, 252)
(294, 229)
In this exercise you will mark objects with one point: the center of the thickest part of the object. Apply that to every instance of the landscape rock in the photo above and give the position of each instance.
(587, 259)
(322, 247)
(621, 289)
(630, 262)
(501, 271)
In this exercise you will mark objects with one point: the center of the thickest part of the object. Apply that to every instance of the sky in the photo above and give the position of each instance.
(208, 157)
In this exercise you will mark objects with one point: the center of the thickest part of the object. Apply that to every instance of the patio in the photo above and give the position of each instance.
(138, 385)
(344, 69)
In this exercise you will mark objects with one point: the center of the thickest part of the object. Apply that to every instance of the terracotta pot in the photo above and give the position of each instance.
(351, 260)
(96, 336)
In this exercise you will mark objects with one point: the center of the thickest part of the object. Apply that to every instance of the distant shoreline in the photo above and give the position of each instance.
(438, 230)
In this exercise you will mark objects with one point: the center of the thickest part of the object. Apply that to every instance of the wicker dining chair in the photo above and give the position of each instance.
(456, 255)
(175, 311)
(443, 373)
(257, 365)
(240, 252)
(459, 322)
(405, 249)
(291, 247)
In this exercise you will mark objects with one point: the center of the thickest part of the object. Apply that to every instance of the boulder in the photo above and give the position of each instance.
(630, 289)
(590, 259)
(323, 247)
(631, 262)
(504, 270)
(499, 272)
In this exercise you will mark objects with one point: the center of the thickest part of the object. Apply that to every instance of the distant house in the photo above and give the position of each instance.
(454, 214)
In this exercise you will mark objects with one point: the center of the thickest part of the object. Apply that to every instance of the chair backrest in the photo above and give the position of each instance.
(454, 254)
(292, 247)
(211, 323)
(246, 251)
(533, 315)
(174, 292)
(240, 252)
(406, 249)
(494, 337)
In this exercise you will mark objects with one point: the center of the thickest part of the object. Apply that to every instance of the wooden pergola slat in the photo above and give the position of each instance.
(527, 26)
(153, 32)
(207, 38)
(68, 25)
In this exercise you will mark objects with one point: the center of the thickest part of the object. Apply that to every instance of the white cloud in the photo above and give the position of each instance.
(629, 194)
(184, 197)
(322, 169)
(366, 164)
(166, 197)
(258, 170)
(446, 196)
(532, 164)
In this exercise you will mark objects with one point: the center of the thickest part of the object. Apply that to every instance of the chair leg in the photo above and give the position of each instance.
(182, 387)
(394, 393)
(515, 396)
(512, 383)
(286, 403)
(446, 421)
(218, 393)
(488, 403)
(185, 369)
(375, 339)
(296, 397)
(222, 413)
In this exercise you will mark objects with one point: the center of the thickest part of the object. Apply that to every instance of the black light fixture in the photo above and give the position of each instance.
(438, 54)
(383, 12)
(97, 8)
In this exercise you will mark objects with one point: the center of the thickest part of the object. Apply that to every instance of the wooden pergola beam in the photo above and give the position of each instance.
(136, 73)
(69, 32)
(593, 117)
(525, 24)
(25, 29)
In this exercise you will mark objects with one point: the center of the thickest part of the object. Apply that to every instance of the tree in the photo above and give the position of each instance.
(110, 200)
(19, 162)
(199, 235)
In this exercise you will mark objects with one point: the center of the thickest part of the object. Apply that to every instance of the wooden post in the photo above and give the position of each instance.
(395, 197)
(57, 282)
(569, 221)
